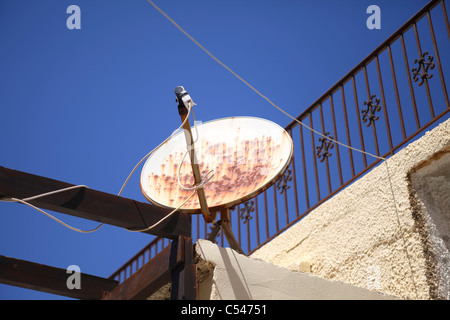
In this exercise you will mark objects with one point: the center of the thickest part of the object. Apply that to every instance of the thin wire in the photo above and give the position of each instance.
(200, 185)
(253, 88)
(56, 219)
(287, 114)
(204, 180)
(151, 152)
(53, 192)
(195, 126)
(167, 216)
(25, 201)
(195, 188)
(401, 232)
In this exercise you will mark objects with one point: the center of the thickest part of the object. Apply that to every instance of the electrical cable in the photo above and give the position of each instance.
(400, 230)
(293, 118)
(166, 217)
(25, 201)
(200, 185)
(151, 152)
(253, 88)
(204, 181)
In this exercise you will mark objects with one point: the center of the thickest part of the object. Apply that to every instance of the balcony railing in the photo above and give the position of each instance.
(384, 102)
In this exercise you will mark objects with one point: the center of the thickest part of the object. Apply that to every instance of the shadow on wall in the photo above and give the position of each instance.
(430, 200)
(237, 277)
(237, 281)
(233, 276)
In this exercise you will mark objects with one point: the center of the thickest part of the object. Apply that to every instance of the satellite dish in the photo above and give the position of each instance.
(247, 155)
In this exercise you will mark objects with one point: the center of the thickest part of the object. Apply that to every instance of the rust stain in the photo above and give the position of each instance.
(249, 167)
(241, 167)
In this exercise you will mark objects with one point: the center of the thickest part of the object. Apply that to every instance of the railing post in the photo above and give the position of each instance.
(183, 276)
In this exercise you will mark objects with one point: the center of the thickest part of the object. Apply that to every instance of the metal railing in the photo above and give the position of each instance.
(387, 100)
(139, 259)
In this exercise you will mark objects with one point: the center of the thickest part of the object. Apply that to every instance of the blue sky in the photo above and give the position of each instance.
(83, 106)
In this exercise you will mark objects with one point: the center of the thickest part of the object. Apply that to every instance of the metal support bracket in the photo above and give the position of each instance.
(183, 112)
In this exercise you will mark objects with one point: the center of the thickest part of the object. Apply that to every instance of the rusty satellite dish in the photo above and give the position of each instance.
(247, 155)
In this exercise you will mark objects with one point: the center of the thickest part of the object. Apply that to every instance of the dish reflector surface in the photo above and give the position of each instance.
(248, 155)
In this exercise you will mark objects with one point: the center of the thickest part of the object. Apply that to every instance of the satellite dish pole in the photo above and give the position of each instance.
(224, 224)
(184, 101)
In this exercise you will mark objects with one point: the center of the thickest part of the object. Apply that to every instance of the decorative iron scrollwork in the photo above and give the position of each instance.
(245, 212)
(282, 184)
(325, 145)
(373, 105)
(423, 68)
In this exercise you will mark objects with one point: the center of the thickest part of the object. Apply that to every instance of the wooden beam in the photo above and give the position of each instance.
(92, 204)
(184, 275)
(48, 279)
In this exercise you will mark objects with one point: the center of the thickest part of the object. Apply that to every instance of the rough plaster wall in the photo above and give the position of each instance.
(430, 189)
(367, 235)
(229, 275)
